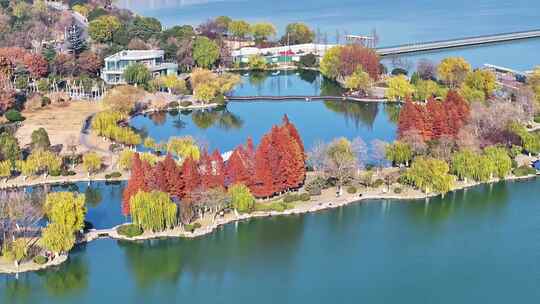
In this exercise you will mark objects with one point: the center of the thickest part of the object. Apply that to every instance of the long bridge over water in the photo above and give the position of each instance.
(320, 49)
(455, 43)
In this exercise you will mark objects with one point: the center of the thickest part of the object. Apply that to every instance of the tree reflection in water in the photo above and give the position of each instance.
(219, 117)
(360, 114)
(236, 247)
(93, 196)
(68, 279)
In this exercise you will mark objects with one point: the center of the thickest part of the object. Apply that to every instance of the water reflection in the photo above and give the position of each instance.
(360, 114)
(474, 202)
(69, 279)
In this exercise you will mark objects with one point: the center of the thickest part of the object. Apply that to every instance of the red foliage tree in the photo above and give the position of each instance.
(135, 184)
(37, 65)
(263, 185)
(436, 119)
(173, 175)
(89, 63)
(238, 168)
(218, 170)
(191, 178)
(159, 178)
(206, 170)
(7, 99)
(354, 56)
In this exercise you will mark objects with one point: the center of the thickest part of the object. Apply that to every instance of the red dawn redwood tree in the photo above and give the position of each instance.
(264, 177)
(218, 170)
(135, 184)
(205, 170)
(37, 65)
(237, 169)
(191, 177)
(159, 178)
(173, 176)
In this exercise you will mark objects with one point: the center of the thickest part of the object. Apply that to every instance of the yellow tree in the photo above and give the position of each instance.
(453, 70)
(57, 238)
(483, 81)
(5, 169)
(360, 81)
(399, 88)
(91, 162)
(67, 209)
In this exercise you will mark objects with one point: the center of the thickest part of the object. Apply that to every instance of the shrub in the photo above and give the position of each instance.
(14, 116)
(192, 227)
(289, 198)
(351, 190)
(379, 182)
(220, 99)
(399, 71)
(397, 190)
(315, 191)
(304, 197)
(173, 104)
(186, 103)
(130, 230)
(40, 260)
(524, 171)
(537, 119)
(275, 206)
(113, 175)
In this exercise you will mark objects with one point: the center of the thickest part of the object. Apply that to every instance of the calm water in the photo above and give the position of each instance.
(478, 246)
(396, 21)
(225, 128)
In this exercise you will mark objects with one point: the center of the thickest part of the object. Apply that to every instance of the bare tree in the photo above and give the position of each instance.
(426, 69)
(526, 101)
(20, 212)
(415, 140)
(378, 152)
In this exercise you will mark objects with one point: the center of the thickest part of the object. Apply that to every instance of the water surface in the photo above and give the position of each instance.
(479, 245)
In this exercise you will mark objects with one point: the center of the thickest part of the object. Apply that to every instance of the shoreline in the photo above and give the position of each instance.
(313, 206)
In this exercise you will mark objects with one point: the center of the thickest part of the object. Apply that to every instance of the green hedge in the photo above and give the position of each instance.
(186, 103)
(130, 230)
(276, 206)
(351, 190)
(289, 198)
(397, 190)
(537, 119)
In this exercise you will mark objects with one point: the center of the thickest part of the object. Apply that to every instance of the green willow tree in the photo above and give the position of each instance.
(137, 74)
(205, 52)
(67, 209)
(399, 153)
(91, 162)
(57, 238)
(463, 164)
(154, 211)
(430, 174)
(500, 158)
(241, 198)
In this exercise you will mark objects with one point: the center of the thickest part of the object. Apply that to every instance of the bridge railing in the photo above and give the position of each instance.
(456, 39)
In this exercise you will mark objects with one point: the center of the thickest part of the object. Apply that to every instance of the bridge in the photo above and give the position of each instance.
(300, 97)
(320, 49)
(455, 43)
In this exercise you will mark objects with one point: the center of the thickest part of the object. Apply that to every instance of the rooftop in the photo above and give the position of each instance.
(136, 55)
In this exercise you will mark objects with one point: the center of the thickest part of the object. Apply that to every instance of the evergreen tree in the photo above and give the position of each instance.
(75, 40)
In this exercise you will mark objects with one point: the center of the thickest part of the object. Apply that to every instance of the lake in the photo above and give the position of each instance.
(481, 245)
(226, 127)
(396, 22)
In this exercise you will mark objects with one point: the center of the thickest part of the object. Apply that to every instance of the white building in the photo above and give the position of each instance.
(115, 64)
